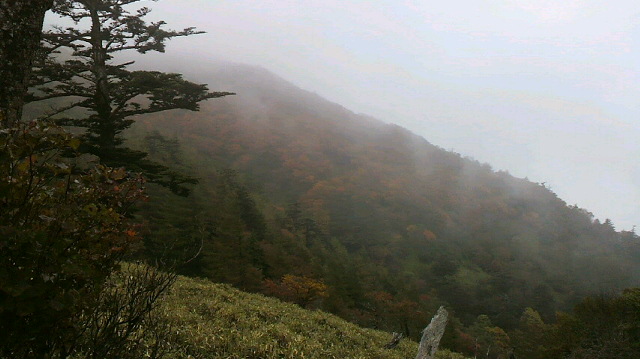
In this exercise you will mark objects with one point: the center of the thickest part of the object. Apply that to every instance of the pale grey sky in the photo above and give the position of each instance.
(545, 89)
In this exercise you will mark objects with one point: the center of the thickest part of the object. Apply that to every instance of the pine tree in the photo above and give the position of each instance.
(105, 94)
(64, 225)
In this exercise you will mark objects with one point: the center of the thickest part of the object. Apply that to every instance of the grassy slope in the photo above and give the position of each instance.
(218, 321)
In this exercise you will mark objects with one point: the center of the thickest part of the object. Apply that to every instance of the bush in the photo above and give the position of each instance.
(64, 228)
(124, 323)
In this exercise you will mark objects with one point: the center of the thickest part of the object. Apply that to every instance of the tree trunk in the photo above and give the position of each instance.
(20, 32)
(432, 334)
(102, 96)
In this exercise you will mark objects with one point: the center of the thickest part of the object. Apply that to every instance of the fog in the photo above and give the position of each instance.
(543, 89)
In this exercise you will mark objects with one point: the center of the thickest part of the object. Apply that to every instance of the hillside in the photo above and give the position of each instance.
(217, 321)
(291, 184)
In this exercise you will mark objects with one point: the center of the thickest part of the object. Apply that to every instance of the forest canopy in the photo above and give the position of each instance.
(280, 192)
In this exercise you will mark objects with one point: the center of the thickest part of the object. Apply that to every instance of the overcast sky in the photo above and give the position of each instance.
(545, 89)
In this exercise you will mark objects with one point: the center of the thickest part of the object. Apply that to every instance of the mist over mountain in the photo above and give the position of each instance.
(385, 164)
(460, 173)
(292, 184)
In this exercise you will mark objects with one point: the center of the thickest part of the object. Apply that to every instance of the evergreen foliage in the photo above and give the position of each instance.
(101, 96)
(65, 221)
(599, 327)
(392, 225)
(303, 201)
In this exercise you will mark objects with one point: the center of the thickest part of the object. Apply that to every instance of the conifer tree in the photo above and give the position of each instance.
(64, 227)
(98, 94)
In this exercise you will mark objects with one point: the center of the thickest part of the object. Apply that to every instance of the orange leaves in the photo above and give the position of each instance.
(117, 249)
(117, 174)
(428, 235)
(381, 297)
(300, 290)
(304, 285)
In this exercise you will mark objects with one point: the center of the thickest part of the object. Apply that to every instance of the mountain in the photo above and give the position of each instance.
(392, 225)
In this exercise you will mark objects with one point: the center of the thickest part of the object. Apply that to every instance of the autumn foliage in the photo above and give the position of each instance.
(300, 290)
(392, 225)
(63, 228)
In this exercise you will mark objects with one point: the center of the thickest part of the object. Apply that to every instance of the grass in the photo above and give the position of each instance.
(217, 321)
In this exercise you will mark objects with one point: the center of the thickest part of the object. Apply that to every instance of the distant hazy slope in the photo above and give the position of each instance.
(425, 218)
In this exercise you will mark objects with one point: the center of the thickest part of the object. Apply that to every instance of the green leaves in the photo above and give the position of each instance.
(59, 223)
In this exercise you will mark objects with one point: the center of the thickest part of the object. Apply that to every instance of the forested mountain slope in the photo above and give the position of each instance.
(374, 222)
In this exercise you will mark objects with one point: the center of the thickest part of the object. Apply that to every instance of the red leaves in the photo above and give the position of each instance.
(70, 221)
(301, 290)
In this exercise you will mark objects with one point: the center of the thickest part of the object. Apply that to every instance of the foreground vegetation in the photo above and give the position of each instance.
(364, 220)
(218, 321)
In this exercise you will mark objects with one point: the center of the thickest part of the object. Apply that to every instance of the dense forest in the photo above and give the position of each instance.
(273, 190)
(303, 200)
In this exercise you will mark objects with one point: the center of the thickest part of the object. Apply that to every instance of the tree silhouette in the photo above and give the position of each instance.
(92, 91)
